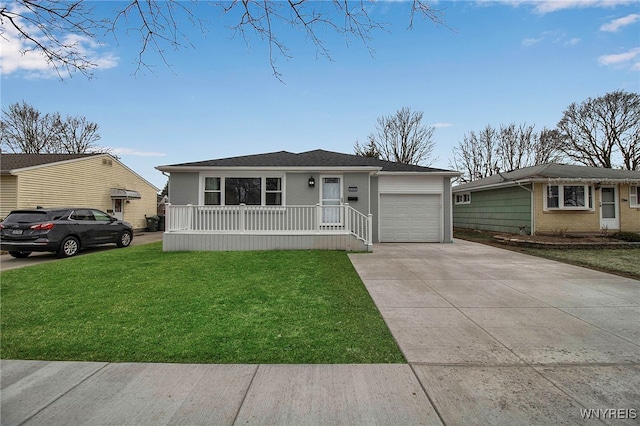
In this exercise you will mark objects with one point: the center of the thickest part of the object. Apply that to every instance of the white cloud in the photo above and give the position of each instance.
(621, 58)
(129, 151)
(572, 42)
(616, 24)
(441, 125)
(17, 55)
(531, 41)
(548, 6)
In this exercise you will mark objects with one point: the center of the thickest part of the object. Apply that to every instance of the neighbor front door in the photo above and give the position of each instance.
(118, 208)
(609, 208)
(331, 195)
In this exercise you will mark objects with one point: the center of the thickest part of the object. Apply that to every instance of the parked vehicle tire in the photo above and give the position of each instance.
(124, 239)
(70, 247)
(19, 254)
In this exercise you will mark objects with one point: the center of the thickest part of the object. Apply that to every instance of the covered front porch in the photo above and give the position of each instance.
(245, 227)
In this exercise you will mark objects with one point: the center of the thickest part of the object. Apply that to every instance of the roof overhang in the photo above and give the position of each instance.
(554, 180)
(126, 194)
(293, 169)
(448, 173)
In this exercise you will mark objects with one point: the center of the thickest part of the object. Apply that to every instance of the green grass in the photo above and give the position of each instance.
(142, 305)
(623, 262)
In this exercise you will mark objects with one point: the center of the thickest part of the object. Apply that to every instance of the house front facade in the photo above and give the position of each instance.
(313, 199)
(85, 180)
(551, 199)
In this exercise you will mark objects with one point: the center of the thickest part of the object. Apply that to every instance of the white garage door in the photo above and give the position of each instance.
(410, 218)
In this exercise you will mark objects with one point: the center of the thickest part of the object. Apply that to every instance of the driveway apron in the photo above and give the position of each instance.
(499, 337)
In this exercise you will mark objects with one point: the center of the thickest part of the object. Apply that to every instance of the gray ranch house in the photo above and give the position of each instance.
(311, 200)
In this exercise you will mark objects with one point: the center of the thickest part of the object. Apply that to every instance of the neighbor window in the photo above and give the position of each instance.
(251, 191)
(570, 197)
(634, 196)
(464, 198)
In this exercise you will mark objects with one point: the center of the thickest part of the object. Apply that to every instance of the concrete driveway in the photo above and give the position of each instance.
(498, 337)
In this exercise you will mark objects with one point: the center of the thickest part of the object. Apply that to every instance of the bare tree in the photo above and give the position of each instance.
(477, 155)
(403, 138)
(599, 129)
(77, 135)
(43, 24)
(368, 150)
(489, 151)
(24, 129)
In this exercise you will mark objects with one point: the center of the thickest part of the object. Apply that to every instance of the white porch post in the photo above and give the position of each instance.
(370, 229)
(190, 211)
(347, 217)
(318, 217)
(167, 217)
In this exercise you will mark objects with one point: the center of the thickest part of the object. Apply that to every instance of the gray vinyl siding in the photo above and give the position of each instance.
(183, 188)
(499, 210)
(446, 211)
(297, 191)
(375, 208)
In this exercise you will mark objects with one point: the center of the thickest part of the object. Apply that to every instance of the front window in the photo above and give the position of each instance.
(212, 192)
(570, 197)
(251, 191)
(273, 192)
(634, 196)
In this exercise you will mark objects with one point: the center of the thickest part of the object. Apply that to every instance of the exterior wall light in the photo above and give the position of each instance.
(312, 182)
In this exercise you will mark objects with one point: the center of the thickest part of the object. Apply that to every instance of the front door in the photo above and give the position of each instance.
(331, 195)
(609, 208)
(118, 208)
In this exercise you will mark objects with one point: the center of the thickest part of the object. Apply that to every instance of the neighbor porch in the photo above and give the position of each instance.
(245, 227)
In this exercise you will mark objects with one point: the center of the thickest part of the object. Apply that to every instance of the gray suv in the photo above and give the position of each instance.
(61, 230)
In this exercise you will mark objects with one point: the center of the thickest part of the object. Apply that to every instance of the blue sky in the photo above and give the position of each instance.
(495, 62)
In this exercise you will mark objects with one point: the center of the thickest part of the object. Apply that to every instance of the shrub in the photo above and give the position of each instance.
(627, 236)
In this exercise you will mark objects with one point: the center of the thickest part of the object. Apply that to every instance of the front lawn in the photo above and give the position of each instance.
(142, 305)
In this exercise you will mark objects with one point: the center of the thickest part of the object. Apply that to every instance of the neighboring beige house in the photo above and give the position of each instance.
(551, 199)
(65, 180)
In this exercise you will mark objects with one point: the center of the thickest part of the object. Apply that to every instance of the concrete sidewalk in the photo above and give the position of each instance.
(491, 337)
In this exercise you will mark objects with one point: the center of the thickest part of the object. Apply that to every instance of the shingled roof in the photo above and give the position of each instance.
(551, 171)
(9, 162)
(316, 158)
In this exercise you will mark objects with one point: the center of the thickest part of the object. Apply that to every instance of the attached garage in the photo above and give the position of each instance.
(410, 218)
(411, 208)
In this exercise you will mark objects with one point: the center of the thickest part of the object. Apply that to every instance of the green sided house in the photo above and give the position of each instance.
(550, 199)
(315, 199)
(99, 181)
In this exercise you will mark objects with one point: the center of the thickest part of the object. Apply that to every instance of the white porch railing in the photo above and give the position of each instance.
(277, 220)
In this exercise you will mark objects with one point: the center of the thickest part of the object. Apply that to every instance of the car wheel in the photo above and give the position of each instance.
(70, 247)
(20, 254)
(124, 239)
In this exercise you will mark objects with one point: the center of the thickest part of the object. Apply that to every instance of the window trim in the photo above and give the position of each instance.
(249, 175)
(466, 198)
(634, 196)
(588, 191)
